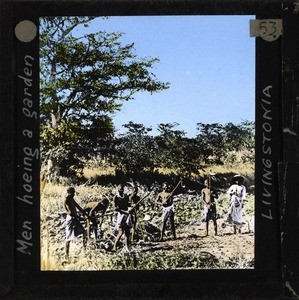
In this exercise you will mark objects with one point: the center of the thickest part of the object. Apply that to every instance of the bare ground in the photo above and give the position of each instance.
(191, 250)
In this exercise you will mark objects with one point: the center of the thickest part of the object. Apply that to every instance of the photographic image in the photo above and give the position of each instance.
(147, 143)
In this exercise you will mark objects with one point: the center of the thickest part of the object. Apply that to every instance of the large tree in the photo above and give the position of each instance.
(84, 79)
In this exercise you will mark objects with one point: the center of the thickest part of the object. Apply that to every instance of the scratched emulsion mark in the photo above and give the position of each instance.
(289, 131)
(283, 233)
(287, 284)
(284, 198)
(291, 290)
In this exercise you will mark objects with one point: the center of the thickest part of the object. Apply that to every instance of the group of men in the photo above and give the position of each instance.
(126, 211)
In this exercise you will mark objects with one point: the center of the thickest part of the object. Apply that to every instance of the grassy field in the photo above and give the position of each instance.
(192, 249)
(245, 169)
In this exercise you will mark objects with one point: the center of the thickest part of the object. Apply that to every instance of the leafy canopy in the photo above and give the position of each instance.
(84, 80)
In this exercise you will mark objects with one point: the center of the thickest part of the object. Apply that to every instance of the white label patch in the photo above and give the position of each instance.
(268, 29)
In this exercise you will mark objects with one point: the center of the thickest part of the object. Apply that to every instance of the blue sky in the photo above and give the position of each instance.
(209, 62)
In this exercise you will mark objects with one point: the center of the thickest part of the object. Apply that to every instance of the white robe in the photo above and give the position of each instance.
(238, 195)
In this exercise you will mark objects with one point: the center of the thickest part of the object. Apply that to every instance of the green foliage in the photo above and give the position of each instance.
(170, 144)
(76, 134)
(85, 79)
(218, 141)
(135, 150)
(176, 151)
(138, 151)
(211, 140)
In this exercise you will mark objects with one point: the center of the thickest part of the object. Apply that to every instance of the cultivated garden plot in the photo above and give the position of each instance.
(191, 250)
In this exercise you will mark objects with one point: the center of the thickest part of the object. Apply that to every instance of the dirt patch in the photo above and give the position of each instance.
(191, 250)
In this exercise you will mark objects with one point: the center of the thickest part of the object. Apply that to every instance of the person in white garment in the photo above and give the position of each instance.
(237, 194)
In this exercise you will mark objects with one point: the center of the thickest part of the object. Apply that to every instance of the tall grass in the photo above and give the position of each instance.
(188, 210)
(245, 169)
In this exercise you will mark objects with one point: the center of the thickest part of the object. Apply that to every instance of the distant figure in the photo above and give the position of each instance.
(237, 194)
(123, 218)
(165, 198)
(73, 225)
(93, 222)
(208, 196)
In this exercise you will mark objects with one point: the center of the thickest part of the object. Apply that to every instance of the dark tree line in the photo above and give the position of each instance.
(138, 151)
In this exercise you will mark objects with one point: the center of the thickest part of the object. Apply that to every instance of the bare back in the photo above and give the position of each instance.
(70, 205)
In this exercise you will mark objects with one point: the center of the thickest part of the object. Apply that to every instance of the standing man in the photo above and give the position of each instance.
(237, 194)
(134, 199)
(208, 196)
(123, 217)
(165, 198)
(73, 225)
